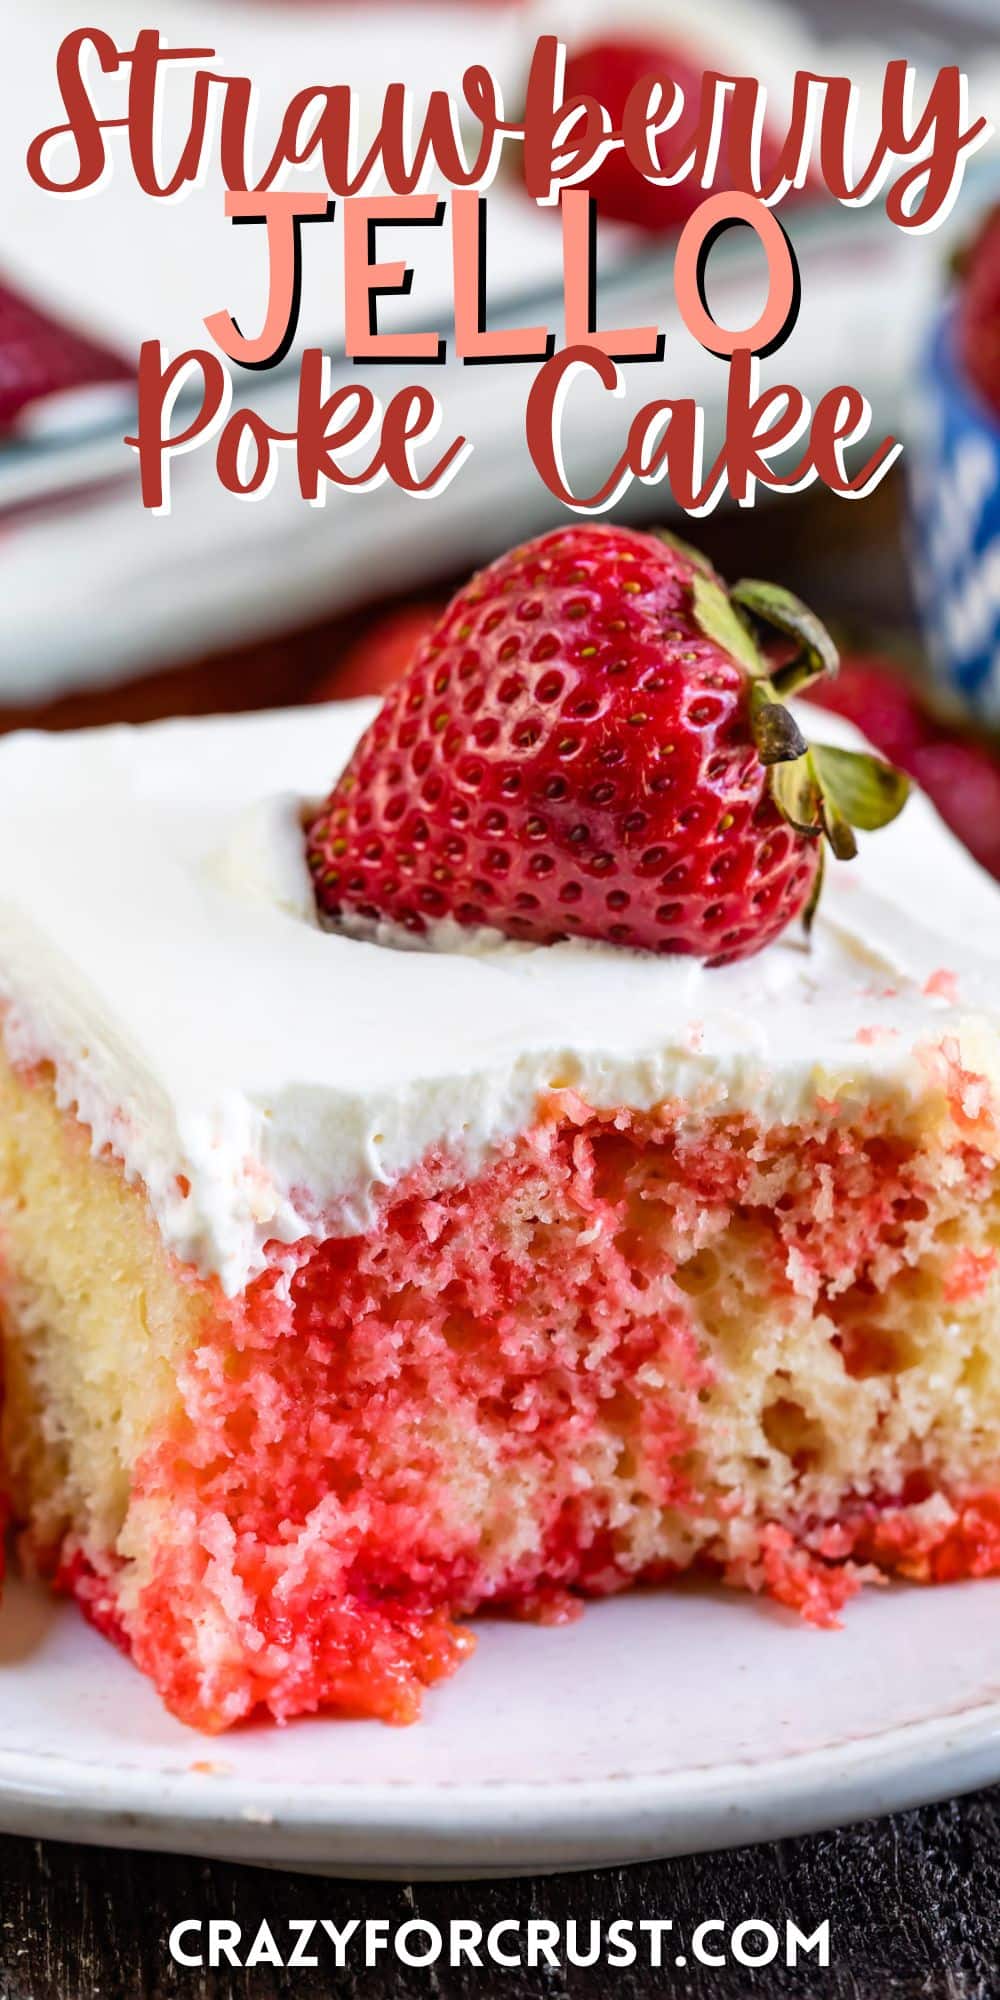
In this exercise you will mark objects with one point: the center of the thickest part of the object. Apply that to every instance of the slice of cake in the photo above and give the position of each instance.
(348, 1288)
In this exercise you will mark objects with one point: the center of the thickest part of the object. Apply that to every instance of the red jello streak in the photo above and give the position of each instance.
(317, 1542)
(94, 1593)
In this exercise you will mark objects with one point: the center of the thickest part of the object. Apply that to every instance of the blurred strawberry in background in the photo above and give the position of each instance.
(608, 69)
(877, 697)
(382, 653)
(959, 773)
(41, 358)
(978, 309)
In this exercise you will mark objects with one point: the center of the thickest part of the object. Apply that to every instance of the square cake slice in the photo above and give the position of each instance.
(347, 1289)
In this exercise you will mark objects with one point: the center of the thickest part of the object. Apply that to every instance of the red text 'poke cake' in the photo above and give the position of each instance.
(377, 1246)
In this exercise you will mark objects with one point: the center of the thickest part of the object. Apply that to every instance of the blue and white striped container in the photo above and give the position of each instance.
(953, 465)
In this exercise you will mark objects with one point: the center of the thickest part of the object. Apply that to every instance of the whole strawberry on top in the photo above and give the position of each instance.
(590, 744)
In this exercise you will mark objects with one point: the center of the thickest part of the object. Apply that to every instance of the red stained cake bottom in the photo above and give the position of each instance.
(630, 1346)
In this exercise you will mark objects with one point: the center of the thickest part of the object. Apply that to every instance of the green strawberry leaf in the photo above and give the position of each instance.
(815, 892)
(822, 792)
(796, 795)
(716, 618)
(860, 789)
(837, 829)
(769, 604)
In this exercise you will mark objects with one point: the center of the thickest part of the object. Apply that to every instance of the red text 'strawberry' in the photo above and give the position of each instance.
(608, 70)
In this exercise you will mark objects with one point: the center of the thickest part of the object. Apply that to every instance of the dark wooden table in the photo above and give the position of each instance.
(913, 1902)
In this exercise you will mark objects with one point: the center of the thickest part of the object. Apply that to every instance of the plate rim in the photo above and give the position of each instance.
(460, 1830)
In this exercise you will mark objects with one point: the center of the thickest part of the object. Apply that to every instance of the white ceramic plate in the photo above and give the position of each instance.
(657, 1724)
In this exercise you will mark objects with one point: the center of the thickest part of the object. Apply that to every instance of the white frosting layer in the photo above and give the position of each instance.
(158, 944)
